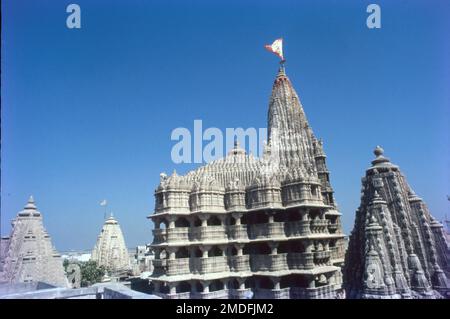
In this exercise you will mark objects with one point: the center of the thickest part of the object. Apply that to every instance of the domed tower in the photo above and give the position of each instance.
(396, 249)
(30, 255)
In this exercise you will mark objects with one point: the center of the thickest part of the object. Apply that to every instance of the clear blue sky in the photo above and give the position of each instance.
(87, 114)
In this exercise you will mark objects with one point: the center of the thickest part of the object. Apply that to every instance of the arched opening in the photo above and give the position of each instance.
(182, 222)
(197, 222)
(247, 250)
(262, 249)
(214, 221)
(233, 284)
(291, 247)
(164, 288)
(293, 216)
(293, 281)
(214, 251)
(216, 285)
(182, 252)
(265, 283)
(250, 283)
(163, 254)
(196, 252)
(183, 286)
(280, 216)
(198, 286)
(232, 251)
(163, 224)
(260, 219)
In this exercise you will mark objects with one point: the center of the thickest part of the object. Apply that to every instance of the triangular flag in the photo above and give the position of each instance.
(276, 47)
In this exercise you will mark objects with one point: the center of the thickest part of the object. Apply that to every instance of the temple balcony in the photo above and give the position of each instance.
(239, 293)
(322, 258)
(178, 234)
(319, 226)
(267, 230)
(324, 292)
(283, 293)
(178, 266)
(300, 260)
(203, 265)
(337, 252)
(276, 262)
(239, 263)
(207, 233)
(159, 236)
(298, 228)
(237, 232)
(218, 294)
(179, 295)
(333, 228)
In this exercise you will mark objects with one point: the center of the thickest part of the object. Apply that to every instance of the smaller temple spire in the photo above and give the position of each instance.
(30, 204)
(380, 159)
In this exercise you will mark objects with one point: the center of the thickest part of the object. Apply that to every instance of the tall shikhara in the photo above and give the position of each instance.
(110, 250)
(242, 226)
(28, 254)
(396, 249)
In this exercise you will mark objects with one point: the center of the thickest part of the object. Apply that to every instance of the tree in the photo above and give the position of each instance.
(91, 273)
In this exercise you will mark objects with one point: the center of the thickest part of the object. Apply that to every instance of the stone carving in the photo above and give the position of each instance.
(396, 243)
(110, 250)
(29, 255)
(241, 224)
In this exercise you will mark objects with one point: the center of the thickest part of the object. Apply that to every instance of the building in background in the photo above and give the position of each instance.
(28, 254)
(397, 249)
(242, 226)
(110, 250)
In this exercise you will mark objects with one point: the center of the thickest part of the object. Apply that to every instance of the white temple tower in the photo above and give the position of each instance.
(243, 226)
(110, 250)
(28, 254)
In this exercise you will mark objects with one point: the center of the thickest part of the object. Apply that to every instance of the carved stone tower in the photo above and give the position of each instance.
(29, 255)
(396, 249)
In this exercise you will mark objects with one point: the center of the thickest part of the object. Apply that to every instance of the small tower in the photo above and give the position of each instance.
(110, 250)
(396, 249)
(29, 255)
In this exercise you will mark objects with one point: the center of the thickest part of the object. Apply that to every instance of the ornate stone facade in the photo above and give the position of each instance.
(242, 226)
(110, 250)
(396, 249)
(28, 254)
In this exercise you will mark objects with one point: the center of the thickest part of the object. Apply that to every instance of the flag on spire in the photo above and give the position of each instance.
(276, 47)
(103, 202)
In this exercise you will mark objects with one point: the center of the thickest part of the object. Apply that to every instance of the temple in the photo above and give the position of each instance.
(242, 227)
(28, 254)
(110, 250)
(396, 249)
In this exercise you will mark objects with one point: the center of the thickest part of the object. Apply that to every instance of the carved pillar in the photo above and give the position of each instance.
(276, 283)
(239, 249)
(173, 288)
(225, 284)
(312, 282)
(305, 214)
(308, 246)
(193, 287)
(204, 218)
(241, 282)
(172, 251)
(171, 220)
(205, 250)
(205, 286)
(274, 247)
